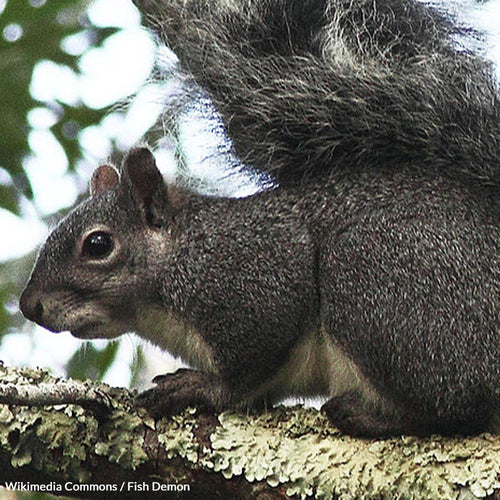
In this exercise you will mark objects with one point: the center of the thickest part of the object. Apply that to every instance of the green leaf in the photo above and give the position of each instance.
(88, 362)
(138, 365)
(8, 199)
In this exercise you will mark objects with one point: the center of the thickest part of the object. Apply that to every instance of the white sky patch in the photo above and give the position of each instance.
(19, 234)
(53, 81)
(47, 171)
(76, 44)
(488, 16)
(116, 70)
(96, 143)
(167, 164)
(484, 17)
(113, 13)
(40, 348)
(42, 118)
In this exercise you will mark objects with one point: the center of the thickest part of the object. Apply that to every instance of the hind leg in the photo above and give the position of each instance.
(357, 416)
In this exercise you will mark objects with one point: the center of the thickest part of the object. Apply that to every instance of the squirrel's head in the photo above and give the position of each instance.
(99, 264)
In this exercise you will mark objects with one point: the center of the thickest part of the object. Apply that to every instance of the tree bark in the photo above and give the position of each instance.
(91, 442)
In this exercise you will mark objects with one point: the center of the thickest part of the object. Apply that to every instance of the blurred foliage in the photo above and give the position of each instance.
(32, 31)
(138, 364)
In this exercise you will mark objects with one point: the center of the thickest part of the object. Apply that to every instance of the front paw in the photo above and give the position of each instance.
(174, 392)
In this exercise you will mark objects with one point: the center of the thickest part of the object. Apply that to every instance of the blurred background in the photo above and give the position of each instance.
(76, 90)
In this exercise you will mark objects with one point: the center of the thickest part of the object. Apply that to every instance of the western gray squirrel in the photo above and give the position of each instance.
(369, 275)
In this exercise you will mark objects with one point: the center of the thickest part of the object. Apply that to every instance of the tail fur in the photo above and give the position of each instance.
(307, 88)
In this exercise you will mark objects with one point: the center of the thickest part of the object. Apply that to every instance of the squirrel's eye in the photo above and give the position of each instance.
(97, 245)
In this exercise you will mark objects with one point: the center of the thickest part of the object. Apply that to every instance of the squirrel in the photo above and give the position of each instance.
(368, 274)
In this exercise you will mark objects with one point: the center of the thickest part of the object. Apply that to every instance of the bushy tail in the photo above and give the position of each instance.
(309, 87)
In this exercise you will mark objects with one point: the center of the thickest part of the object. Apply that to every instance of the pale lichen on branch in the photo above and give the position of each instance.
(55, 393)
(286, 451)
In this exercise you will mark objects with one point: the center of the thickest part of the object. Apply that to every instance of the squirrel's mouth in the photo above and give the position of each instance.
(92, 330)
(96, 330)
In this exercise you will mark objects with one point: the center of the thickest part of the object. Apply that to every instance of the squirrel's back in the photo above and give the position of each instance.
(311, 88)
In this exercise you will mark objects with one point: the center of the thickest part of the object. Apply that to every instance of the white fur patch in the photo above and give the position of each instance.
(172, 334)
(317, 366)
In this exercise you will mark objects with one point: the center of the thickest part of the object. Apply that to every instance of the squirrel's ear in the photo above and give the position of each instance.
(104, 178)
(143, 181)
(143, 175)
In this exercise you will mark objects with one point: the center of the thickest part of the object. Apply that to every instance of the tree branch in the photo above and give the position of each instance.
(57, 392)
(121, 452)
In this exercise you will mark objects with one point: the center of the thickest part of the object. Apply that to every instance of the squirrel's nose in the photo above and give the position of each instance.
(31, 306)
